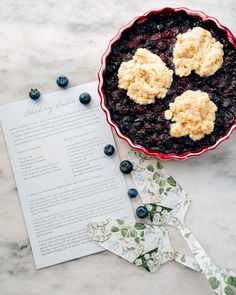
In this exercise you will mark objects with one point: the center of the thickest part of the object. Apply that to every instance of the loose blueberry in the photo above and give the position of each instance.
(126, 167)
(85, 98)
(34, 94)
(62, 81)
(109, 150)
(132, 193)
(142, 212)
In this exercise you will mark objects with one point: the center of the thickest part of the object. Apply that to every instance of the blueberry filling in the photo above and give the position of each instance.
(145, 124)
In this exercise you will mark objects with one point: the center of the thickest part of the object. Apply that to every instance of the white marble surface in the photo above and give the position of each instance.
(40, 40)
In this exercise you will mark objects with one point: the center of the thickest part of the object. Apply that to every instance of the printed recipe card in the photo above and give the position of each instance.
(62, 175)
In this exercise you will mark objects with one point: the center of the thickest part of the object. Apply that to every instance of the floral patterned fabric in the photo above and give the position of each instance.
(156, 186)
(146, 245)
(167, 203)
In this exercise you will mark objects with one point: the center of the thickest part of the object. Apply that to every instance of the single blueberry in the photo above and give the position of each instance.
(34, 94)
(132, 193)
(62, 81)
(126, 167)
(109, 150)
(142, 212)
(85, 98)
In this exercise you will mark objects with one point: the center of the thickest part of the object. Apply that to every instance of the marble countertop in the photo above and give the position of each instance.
(39, 41)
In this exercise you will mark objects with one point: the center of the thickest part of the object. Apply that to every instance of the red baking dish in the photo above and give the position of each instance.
(160, 155)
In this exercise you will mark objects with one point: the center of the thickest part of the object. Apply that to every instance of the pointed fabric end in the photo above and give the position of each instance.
(132, 240)
(99, 230)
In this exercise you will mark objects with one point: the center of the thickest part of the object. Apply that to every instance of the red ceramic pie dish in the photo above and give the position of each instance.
(164, 156)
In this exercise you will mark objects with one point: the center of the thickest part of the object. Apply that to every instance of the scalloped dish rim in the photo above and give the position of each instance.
(146, 151)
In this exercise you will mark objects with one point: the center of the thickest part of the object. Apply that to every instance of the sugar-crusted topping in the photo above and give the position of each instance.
(196, 50)
(193, 113)
(145, 77)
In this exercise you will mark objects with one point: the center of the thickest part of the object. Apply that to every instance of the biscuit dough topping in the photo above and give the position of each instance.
(196, 50)
(145, 77)
(193, 113)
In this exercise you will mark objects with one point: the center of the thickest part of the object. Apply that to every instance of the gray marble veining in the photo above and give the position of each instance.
(39, 41)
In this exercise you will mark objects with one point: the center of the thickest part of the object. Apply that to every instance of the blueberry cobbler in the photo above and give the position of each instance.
(170, 82)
